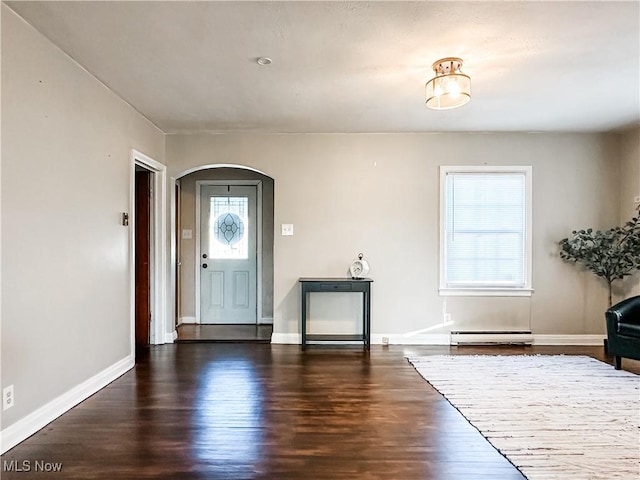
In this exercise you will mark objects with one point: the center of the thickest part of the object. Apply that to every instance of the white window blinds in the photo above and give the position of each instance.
(485, 230)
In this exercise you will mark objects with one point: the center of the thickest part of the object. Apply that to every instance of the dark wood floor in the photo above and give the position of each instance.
(242, 411)
(224, 333)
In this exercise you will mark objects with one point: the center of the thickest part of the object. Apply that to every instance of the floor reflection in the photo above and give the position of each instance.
(227, 418)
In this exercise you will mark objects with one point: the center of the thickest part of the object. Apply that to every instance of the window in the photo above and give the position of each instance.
(485, 239)
(227, 224)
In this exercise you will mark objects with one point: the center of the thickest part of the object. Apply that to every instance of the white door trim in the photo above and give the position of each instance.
(159, 294)
(258, 184)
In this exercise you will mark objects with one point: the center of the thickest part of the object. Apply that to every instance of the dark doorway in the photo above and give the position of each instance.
(142, 220)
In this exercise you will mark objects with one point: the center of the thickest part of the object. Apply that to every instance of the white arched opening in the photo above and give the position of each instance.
(184, 278)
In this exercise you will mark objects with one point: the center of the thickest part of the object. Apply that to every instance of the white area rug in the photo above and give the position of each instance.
(554, 416)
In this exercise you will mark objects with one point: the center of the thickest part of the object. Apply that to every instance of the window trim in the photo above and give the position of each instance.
(527, 289)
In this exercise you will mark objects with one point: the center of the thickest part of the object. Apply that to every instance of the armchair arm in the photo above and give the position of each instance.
(626, 311)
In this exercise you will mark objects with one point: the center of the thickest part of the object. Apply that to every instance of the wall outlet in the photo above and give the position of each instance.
(447, 318)
(7, 398)
(287, 229)
(385, 341)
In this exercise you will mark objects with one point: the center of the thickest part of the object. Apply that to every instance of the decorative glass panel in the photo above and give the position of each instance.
(228, 224)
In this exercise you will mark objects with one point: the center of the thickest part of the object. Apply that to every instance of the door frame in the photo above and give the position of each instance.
(158, 253)
(176, 238)
(258, 185)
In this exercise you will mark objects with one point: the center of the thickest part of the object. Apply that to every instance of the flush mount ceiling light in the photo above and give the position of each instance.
(450, 88)
(264, 61)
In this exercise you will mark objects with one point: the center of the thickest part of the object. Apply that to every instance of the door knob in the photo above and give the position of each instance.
(204, 265)
(204, 255)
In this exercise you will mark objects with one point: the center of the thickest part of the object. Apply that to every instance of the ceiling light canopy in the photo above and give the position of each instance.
(450, 88)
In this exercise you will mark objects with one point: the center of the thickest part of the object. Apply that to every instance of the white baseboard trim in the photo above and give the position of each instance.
(170, 337)
(187, 320)
(569, 340)
(402, 339)
(27, 426)
(286, 338)
(445, 339)
(376, 339)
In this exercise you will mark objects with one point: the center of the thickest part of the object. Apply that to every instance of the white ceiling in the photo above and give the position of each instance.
(356, 66)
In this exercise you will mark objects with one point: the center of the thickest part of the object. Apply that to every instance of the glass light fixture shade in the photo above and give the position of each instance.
(450, 88)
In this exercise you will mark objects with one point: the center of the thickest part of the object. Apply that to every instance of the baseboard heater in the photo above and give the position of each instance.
(521, 337)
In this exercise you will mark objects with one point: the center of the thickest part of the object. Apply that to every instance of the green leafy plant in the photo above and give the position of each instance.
(610, 254)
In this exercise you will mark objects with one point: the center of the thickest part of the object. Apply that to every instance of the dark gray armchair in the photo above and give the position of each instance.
(623, 330)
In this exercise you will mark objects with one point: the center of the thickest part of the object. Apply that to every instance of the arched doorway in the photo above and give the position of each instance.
(217, 299)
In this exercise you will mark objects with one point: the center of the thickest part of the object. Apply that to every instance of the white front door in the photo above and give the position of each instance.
(228, 277)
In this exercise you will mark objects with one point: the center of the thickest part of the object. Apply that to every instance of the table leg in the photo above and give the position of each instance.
(303, 318)
(367, 316)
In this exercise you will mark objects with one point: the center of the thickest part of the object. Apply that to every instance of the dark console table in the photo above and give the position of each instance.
(338, 285)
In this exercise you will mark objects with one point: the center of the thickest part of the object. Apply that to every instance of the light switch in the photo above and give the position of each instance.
(287, 229)
(187, 234)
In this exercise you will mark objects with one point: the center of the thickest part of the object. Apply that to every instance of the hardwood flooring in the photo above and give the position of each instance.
(224, 333)
(243, 411)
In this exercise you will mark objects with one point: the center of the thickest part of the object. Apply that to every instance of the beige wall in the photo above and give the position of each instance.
(378, 194)
(188, 254)
(66, 142)
(630, 156)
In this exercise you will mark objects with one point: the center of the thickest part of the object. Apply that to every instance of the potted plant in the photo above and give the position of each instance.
(610, 254)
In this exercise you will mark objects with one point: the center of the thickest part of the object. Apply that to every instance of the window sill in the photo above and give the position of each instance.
(486, 292)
